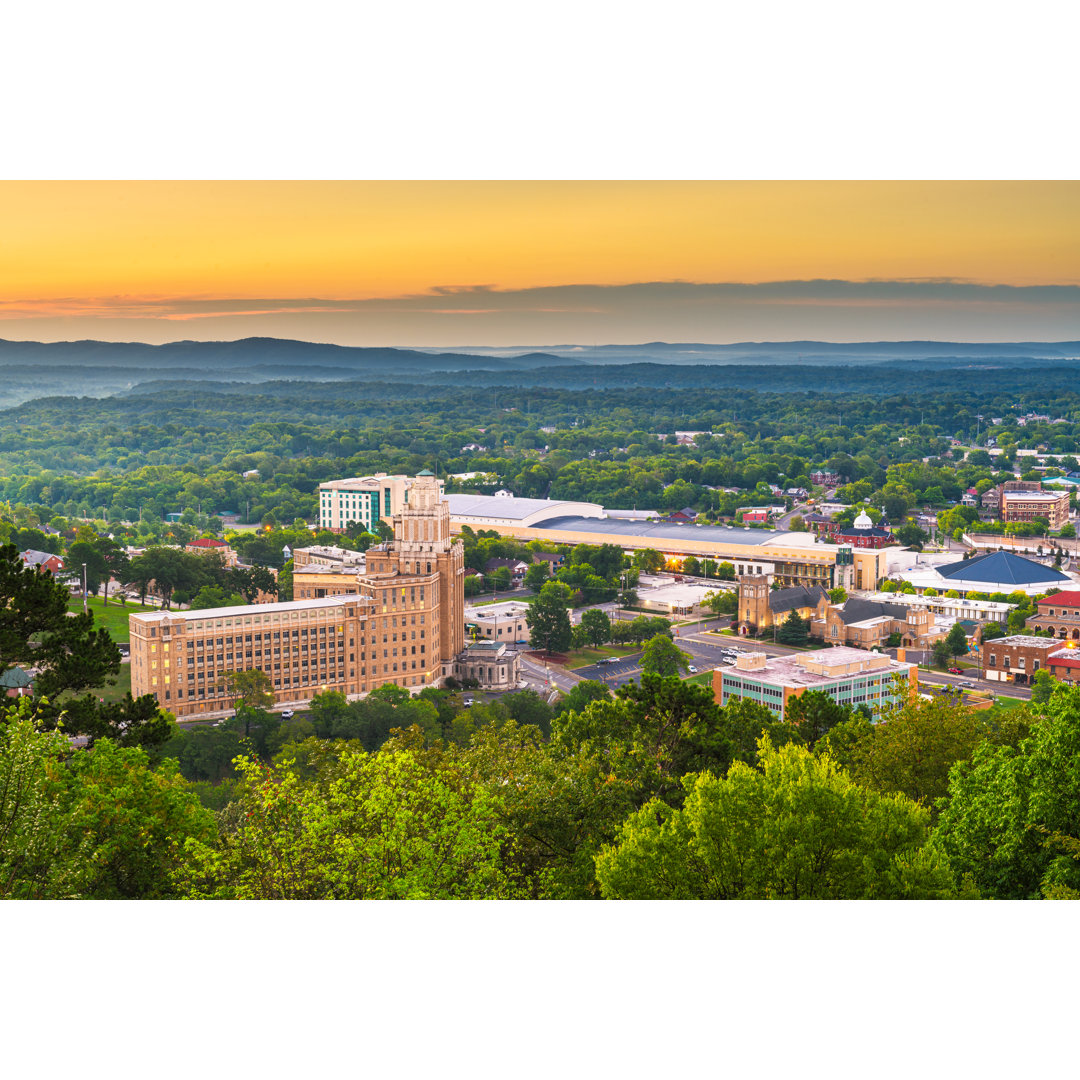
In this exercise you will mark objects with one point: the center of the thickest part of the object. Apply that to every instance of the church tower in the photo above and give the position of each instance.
(754, 600)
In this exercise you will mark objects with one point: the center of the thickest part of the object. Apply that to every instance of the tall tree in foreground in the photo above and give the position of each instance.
(548, 619)
(798, 829)
(402, 823)
(1012, 816)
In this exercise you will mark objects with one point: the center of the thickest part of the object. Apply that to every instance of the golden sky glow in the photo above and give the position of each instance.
(113, 250)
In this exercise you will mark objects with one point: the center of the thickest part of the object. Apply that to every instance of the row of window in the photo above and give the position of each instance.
(1006, 663)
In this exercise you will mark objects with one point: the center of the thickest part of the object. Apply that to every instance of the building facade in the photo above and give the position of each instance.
(1015, 658)
(855, 622)
(206, 545)
(363, 500)
(402, 625)
(1025, 500)
(490, 663)
(848, 676)
(1059, 614)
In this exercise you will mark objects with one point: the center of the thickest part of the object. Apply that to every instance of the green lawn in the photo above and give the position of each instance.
(112, 616)
(113, 693)
(579, 658)
(1009, 703)
(702, 678)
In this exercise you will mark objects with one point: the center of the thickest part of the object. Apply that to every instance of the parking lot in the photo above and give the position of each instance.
(704, 657)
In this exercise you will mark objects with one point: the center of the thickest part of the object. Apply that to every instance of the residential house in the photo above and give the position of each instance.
(42, 561)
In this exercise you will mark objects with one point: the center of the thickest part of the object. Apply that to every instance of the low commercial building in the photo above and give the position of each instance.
(498, 622)
(1015, 658)
(948, 607)
(849, 676)
(681, 598)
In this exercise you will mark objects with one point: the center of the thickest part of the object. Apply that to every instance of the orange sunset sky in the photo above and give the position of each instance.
(504, 263)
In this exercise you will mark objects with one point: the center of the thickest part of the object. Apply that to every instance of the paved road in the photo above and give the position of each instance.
(538, 675)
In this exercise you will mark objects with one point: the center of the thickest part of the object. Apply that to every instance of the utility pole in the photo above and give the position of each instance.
(84, 588)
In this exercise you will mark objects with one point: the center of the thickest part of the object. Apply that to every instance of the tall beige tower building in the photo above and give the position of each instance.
(403, 623)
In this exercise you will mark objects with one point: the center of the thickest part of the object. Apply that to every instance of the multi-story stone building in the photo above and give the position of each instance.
(366, 500)
(849, 676)
(1025, 500)
(403, 624)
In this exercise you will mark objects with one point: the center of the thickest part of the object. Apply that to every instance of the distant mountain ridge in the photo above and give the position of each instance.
(34, 369)
(249, 352)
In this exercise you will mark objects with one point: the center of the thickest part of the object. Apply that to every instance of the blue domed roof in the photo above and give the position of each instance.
(1003, 568)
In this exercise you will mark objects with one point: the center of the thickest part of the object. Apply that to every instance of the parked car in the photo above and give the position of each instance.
(955, 671)
(287, 714)
(692, 669)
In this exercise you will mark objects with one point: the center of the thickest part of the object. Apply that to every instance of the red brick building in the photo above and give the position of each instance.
(1060, 614)
(1016, 658)
(42, 560)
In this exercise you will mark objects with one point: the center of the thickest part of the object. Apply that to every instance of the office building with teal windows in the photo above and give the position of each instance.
(363, 500)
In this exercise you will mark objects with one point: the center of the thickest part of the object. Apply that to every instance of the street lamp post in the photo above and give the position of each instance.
(84, 588)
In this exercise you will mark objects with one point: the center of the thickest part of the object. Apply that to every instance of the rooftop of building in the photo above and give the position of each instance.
(506, 609)
(819, 668)
(1025, 641)
(207, 542)
(326, 568)
(510, 506)
(248, 609)
(1002, 568)
(916, 600)
(371, 478)
(799, 596)
(1068, 598)
(494, 647)
(717, 534)
(1032, 496)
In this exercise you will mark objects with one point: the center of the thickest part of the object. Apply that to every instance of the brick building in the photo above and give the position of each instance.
(42, 561)
(863, 533)
(1025, 500)
(1015, 658)
(855, 622)
(1064, 664)
(403, 625)
(1059, 614)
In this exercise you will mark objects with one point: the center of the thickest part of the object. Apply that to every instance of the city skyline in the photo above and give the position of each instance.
(506, 263)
